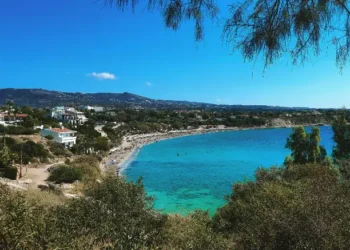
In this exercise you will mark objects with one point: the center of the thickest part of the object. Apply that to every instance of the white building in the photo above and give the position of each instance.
(61, 135)
(2, 119)
(68, 114)
(95, 108)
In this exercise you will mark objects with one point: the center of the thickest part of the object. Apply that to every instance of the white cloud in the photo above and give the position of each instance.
(148, 84)
(103, 76)
(218, 100)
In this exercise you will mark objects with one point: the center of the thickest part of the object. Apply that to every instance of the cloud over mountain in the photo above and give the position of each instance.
(103, 76)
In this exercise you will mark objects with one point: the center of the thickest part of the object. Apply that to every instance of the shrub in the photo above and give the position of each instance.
(21, 222)
(59, 149)
(89, 167)
(101, 144)
(10, 173)
(30, 150)
(113, 214)
(19, 130)
(65, 174)
(192, 232)
(305, 207)
(49, 137)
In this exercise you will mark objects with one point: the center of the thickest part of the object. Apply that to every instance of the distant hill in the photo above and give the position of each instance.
(47, 98)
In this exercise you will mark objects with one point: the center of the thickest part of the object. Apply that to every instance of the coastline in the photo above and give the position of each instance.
(120, 157)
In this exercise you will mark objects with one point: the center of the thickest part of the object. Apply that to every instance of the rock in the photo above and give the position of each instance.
(71, 195)
(66, 186)
(43, 187)
(28, 181)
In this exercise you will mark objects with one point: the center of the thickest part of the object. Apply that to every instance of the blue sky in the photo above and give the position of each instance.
(65, 45)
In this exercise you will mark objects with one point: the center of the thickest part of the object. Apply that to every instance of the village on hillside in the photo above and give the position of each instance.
(42, 139)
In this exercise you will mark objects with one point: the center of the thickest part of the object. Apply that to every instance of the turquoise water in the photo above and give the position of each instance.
(196, 172)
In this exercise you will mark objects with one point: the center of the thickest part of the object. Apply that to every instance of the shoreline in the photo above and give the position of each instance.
(120, 157)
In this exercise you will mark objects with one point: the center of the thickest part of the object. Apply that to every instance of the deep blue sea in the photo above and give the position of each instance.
(196, 172)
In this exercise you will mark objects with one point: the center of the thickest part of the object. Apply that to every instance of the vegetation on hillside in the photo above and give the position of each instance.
(302, 205)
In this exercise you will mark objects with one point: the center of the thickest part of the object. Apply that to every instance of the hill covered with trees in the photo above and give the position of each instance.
(46, 99)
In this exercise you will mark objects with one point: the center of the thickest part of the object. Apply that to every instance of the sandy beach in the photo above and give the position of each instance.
(131, 143)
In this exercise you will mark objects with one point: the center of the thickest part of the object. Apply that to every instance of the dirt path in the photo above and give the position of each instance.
(98, 128)
(37, 175)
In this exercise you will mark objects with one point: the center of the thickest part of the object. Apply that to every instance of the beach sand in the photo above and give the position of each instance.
(131, 143)
(118, 156)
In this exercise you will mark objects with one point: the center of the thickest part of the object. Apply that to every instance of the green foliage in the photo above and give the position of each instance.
(65, 174)
(29, 122)
(113, 214)
(192, 232)
(299, 207)
(59, 149)
(29, 150)
(344, 168)
(111, 133)
(17, 130)
(9, 173)
(49, 137)
(269, 29)
(305, 147)
(20, 222)
(88, 166)
(5, 156)
(341, 137)
(101, 144)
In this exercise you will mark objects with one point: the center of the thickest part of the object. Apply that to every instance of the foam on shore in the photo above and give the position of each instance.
(128, 160)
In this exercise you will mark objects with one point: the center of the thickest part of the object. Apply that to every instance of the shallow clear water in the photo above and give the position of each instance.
(196, 172)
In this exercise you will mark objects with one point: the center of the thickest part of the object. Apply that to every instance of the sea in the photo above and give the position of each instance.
(197, 172)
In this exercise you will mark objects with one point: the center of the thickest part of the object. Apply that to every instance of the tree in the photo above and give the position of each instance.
(297, 142)
(9, 107)
(101, 144)
(113, 214)
(305, 147)
(5, 157)
(341, 137)
(299, 207)
(28, 122)
(264, 28)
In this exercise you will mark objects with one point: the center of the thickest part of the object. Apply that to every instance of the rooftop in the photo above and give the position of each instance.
(12, 115)
(62, 130)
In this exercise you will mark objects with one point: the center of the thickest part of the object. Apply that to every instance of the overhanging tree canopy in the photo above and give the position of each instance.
(268, 28)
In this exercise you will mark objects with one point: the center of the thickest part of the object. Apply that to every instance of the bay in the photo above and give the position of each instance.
(197, 172)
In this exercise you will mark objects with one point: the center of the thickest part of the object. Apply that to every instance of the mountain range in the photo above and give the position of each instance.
(43, 98)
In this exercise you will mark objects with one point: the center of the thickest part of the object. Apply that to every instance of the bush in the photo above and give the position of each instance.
(192, 232)
(49, 137)
(59, 149)
(21, 222)
(89, 167)
(299, 207)
(65, 174)
(9, 172)
(113, 214)
(30, 150)
(101, 144)
(19, 130)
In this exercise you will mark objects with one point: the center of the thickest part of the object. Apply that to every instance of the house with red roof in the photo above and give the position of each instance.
(61, 135)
